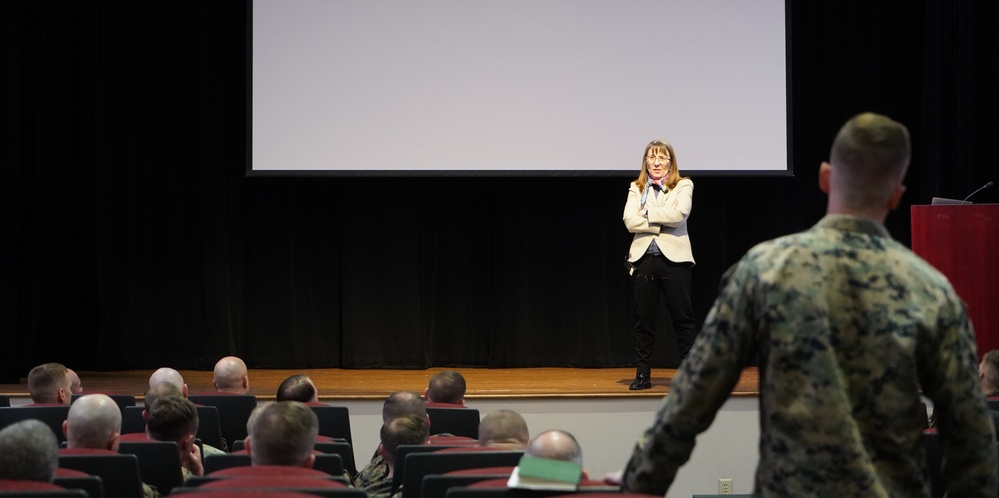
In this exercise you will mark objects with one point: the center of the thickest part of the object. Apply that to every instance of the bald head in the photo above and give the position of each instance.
(170, 376)
(159, 391)
(231, 376)
(504, 429)
(94, 422)
(555, 445)
(402, 403)
(75, 385)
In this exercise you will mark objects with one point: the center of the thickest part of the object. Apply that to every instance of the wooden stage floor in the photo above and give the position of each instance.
(483, 383)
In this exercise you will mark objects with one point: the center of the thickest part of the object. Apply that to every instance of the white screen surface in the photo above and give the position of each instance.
(517, 85)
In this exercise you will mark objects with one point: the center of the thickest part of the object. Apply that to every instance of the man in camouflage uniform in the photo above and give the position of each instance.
(377, 472)
(847, 324)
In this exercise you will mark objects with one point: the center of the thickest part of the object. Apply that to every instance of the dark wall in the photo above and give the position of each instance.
(133, 238)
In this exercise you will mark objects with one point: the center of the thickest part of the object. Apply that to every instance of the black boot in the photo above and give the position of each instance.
(642, 381)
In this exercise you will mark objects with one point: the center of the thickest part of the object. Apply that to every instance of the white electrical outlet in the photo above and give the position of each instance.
(724, 486)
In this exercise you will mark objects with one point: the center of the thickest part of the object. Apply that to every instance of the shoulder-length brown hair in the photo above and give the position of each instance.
(672, 178)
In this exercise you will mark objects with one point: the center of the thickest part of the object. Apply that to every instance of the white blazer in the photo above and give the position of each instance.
(666, 222)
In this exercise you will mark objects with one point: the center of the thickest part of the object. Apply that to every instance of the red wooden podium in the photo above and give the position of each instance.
(962, 241)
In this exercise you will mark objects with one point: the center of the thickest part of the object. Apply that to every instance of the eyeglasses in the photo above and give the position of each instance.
(662, 159)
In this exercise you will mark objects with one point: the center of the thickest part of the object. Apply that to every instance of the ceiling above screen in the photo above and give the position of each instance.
(517, 86)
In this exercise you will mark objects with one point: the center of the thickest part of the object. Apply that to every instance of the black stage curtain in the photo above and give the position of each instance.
(134, 239)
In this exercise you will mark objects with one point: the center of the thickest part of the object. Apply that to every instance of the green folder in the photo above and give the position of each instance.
(533, 470)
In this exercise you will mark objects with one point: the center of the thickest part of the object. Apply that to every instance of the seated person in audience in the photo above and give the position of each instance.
(50, 384)
(406, 429)
(93, 428)
(170, 376)
(398, 404)
(28, 452)
(988, 372)
(154, 394)
(556, 445)
(283, 434)
(280, 444)
(446, 390)
(75, 385)
(160, 390)
(504, 430)
(231, 376)
(94, 424)
(553, 445)
(173, 418)
(299, 388)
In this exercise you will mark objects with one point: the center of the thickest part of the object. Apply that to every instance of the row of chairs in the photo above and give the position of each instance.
(472, 472)
(227, 422)
(157, 463)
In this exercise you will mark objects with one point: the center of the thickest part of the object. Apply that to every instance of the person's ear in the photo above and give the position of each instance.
(310, 461)
(426, 394)
(246, 382)
(65, 424)
(145, 416)
(113, 442)
(186, 443)
(246, 445)
(215, 384)
(896, 197)
(184, 391)
(825, 170)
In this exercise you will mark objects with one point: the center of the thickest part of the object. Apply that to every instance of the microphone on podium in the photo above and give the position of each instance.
(983, 187)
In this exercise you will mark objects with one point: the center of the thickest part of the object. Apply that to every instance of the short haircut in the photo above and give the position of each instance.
(503, 426)
(869, 156)
(296, 388)
(252, 419)
(555, 445)
(171, 418)
(161, 390)
(91, 422)
(45, 380)
(991, 362)
(447, 386)
(402, 403)
(28, 452)
(405, 429)
(284, 433)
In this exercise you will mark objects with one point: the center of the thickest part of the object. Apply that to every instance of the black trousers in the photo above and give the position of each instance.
(656, 277)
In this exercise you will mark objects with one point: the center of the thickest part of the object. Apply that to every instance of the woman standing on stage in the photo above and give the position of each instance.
(660, 257)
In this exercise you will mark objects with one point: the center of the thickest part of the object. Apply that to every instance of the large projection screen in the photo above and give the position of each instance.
(526, 87)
